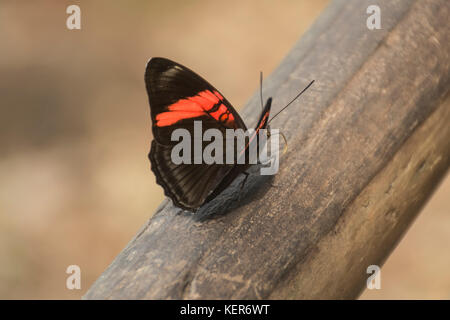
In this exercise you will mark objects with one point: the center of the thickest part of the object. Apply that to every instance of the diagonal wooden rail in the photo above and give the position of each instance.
(368, 143)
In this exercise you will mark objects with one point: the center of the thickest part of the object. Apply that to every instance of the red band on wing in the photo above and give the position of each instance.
(193, 107)
(216, 114)
(218, 95)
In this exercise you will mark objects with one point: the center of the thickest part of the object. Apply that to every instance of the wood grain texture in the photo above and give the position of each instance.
(367, 145)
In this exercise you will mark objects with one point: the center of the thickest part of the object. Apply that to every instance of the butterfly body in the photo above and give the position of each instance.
(178, 98)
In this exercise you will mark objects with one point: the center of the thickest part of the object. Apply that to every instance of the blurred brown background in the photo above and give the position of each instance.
(75, 182)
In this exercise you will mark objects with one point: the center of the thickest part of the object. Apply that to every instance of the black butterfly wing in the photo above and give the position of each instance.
(188, 185)
(167, 83)
(178, 97)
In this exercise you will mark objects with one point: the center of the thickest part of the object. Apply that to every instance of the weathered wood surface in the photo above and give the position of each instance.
(367, 145)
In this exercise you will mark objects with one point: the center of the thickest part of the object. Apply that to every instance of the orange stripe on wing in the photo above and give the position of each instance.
(218, 95)
(168, 118)
(208, 95)
(193, 107)
(216, 114)
(186, 105)
(220, 112)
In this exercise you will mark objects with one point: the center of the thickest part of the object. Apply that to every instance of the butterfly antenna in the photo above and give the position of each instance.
(306, 88)
(260, 88)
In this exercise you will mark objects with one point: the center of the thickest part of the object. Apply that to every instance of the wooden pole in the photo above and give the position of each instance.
(368, 143)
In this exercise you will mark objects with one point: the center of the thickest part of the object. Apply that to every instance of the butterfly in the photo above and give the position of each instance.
(178, 97)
